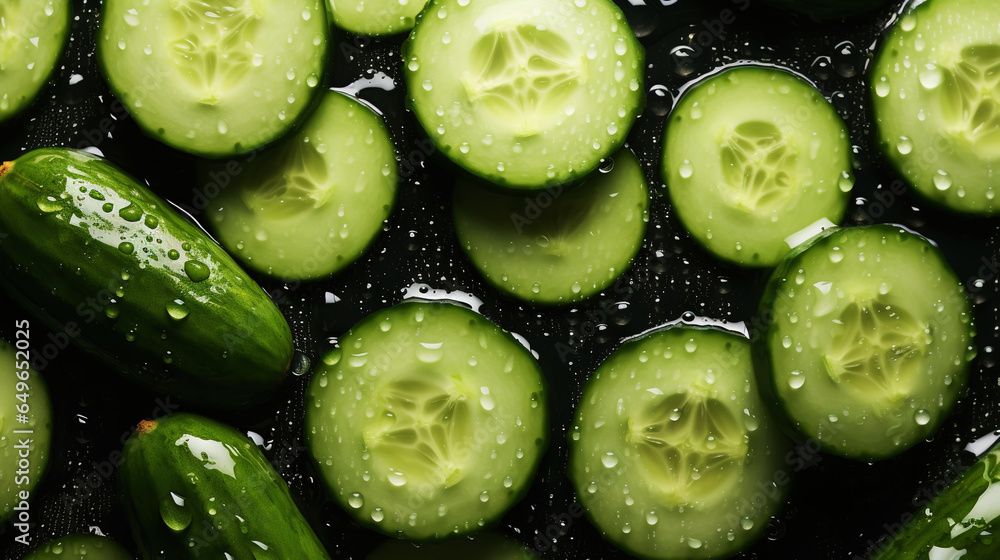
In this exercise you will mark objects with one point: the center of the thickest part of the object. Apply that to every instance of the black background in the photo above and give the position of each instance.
(835, 509)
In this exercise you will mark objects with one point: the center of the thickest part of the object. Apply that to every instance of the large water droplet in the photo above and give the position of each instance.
(177, 310)
(197, 271)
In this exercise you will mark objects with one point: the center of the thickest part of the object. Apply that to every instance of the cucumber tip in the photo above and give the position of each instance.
(146, 426)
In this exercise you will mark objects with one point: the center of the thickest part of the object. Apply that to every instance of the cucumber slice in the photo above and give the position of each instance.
(869, 340)
(311, 207)
(375, 17)
(753, 156)
(79, 547)
(32, 36)
(525, 93)
(214, 77)
(936, 92)
(427, 421)
(13, 363)
(488, 546)
(563, 245)
(672, 453)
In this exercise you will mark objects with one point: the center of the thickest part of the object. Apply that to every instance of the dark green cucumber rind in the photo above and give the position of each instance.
(20, 106)
(40, 422)
(482, 216)
(277, 133)
(484, 546)
(932, 526)
(828, 9)
(766, 436)
(234, 346)
(447, 529)
(208, 466)
(79, 547)
(455, 157)
(763, 331)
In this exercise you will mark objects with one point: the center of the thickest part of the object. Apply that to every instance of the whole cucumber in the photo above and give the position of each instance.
(195, 488)
(98, 256)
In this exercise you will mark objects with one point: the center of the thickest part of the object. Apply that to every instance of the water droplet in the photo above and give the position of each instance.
(796, 380)
(197, 271)
(396, 478)
(49, 204)
(690, 345)
(904, 146)
(882, 88)
(931, 76)
(484, 497)
(174, 514)
(609, 459)
(652, 518)
(922, 417)
(112, 311)
(126, 247)
(377, 515)
(686, 170)
(177, 310)
(132, 17)
(131, 213)
(942, 181)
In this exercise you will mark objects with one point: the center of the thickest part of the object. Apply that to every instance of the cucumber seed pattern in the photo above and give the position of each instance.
(877, 350)
(213, 43)
(758, 165)
(970, 97)
(691, 446)
(303, 186)
(421, 433)
(526, 76)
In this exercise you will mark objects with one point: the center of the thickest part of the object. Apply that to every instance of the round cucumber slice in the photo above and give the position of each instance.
(936, 92)
(310, 207)
(32, 36)
(563, 245)
(375, 17)
(79, 547)
(869, 340)
(214, 77)
(486, 546)
(13, 397)
(672, 453)
(754, 156)
(427, 421)
(525, 93)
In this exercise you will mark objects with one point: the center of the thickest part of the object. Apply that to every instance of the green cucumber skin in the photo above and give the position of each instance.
(232, 348)
(229, 475)
(79, 547)
(932, 525)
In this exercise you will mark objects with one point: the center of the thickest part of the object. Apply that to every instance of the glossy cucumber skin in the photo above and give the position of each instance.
(89, 249)
(195, 488)
(963, 518)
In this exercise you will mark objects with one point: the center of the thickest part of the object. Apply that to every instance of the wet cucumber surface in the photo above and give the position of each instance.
(835, 508)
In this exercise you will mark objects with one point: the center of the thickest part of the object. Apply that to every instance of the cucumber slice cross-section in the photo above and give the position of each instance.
(375, 17)
(525, 93)
(427, 421)
(869, 340)
(672, 446)
(310, 207)
(936, 95)
(563, 244)
(214, 77)
(755, 155)
(32, 36)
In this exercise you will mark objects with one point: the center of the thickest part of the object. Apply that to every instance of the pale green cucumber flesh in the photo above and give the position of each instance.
(35, 401)
(375, 17)
(562, 244)
(311, 206)
(754, 156)
(672, 445)
(32, 36)
(525, 93)
(428, 421)
(936, 95)
(215, 77)
(869, 340)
